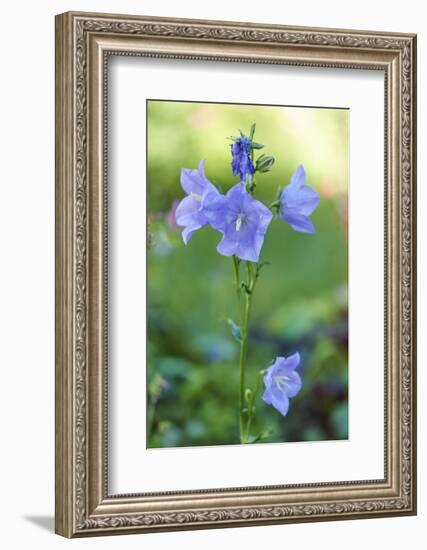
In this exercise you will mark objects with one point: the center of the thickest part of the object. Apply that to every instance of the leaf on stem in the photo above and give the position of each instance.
(246, 288)
(235, 330)
(261, 266)
(262, 435)
(248, 396)
(252, 131)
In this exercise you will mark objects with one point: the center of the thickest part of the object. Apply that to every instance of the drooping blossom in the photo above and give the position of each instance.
(190, 211)
(282, 382)
(241, 163)
(242, 220)
(297, 202)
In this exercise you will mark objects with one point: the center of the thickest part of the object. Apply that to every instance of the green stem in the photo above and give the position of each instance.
(244, 348)
(252, 403)
(243, 354)
(237, 281)
(236, 264)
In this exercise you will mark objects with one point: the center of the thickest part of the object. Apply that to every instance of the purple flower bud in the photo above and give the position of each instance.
(241, 163)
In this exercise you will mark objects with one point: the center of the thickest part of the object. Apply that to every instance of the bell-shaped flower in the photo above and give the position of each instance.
(297, 202)
(200, 191)
(241, 163)
(282, 382)
(243, 222)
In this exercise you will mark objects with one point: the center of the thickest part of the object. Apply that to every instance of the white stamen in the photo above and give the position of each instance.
(196, 196)
(281, 381)
(240, 219)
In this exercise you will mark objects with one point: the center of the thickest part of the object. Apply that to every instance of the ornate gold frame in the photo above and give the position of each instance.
(83, 42)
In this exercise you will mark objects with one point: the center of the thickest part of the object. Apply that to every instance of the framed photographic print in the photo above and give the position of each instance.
(235, 274)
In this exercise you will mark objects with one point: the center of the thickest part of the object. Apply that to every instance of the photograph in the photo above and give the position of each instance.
(235, 272)
(247, 273)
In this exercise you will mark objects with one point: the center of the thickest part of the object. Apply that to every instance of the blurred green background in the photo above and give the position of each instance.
(300, 303)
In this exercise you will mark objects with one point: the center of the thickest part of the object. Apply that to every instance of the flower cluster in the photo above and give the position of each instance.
(243, 222)
(242, 219)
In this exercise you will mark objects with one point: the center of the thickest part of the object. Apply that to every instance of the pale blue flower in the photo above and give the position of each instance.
(297, 202)
(200, 191)
(282, 382)
(242, 220)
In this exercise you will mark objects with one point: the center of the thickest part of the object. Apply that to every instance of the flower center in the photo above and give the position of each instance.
(196, 197)
(280, 381)
(240, 220)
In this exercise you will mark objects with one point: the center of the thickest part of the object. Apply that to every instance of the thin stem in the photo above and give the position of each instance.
(243, 353)
(244, 347)
(252, 403)
(236, 265)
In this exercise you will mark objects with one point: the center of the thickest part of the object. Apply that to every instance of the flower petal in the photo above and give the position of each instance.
(227, 247)
(292, 361)
(298, 201)
(263, 214)
(201, 193)
(201, 169)
(298, 222)
(190, 181)
(298, 177)
(189, 215)
(280, 402)
(303, 200)
(267, 397)
(186, 210)
(237, 192)
(215, 209)
(247, 251)
(293, 384)
(188, 231)
(195, 181)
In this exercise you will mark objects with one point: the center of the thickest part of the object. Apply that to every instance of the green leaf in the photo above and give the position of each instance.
(262, 435)
(235, 330)
(245, 287)
(256, 145)
(261, 266)
(252, 131)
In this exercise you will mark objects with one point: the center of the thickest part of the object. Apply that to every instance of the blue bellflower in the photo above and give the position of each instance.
(243, 222)
(297, 202)
(282, 382)
(241, 163)
(190, 212)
